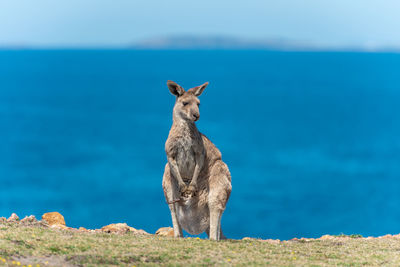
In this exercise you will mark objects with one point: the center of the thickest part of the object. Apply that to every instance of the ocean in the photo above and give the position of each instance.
(312, 139)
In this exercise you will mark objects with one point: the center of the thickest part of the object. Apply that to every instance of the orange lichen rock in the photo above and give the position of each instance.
(165, 231)
(53, 218)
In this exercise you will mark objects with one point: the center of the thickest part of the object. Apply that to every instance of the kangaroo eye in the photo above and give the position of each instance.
(185, 103)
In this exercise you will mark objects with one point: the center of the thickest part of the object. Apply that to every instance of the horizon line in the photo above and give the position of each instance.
(133, 48)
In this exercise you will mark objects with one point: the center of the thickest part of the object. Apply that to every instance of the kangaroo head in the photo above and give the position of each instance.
(187, 104)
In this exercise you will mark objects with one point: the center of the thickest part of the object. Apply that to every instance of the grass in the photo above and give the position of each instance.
(40, 246)
(351, 236)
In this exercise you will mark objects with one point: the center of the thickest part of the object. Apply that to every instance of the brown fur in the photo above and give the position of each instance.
(196, 182)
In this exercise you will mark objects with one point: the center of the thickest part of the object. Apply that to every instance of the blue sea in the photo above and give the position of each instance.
(312, 139)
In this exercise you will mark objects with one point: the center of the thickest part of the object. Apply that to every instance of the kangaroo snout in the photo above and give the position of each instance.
(196, 116)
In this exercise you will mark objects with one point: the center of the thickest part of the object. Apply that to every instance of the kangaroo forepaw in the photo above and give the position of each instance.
(190, 191)
(183, 188)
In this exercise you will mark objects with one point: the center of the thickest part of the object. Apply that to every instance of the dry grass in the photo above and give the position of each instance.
(50, 247)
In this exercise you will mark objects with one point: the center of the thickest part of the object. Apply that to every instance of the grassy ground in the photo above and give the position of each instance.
(41, 246)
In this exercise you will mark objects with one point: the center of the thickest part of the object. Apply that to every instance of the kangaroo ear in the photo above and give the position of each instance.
(198, 90)
(175, 88)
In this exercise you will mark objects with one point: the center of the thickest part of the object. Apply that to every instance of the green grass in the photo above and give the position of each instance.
(50, 247)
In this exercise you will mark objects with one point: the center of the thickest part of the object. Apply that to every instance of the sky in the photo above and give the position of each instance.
(114, 23)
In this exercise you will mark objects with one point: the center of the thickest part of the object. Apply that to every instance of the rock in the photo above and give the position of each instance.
(396, 236)
(53, 218)
(29, 220)
(326, 237)
(165, 231)
(13, 218)
(139, 231)
(386, 236)
(248, 238)
(83, 229)
(118, 228)
(3, 219)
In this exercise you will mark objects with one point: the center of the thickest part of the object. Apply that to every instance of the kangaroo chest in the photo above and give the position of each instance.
(187, 149)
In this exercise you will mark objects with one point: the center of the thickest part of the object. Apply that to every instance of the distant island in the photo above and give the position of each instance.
(236, 43)
(218, 42)
(214, 42)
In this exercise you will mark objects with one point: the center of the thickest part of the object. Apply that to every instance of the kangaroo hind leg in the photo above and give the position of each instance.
(219, 192)
(171, 193)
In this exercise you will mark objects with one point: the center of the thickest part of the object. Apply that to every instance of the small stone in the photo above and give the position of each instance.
(117, 228)
(386, 236)
(53, 218)
(83, 229)
(13, 218)
(326, 237)
(165, 231)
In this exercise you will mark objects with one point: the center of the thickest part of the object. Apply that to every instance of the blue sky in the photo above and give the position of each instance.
(367, 23)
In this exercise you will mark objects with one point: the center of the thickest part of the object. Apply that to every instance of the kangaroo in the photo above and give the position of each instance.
(196, 182)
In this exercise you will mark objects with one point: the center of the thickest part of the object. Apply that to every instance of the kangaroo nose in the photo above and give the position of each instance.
(196, 116)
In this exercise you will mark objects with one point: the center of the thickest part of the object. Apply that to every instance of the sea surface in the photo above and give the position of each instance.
(312, 139)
